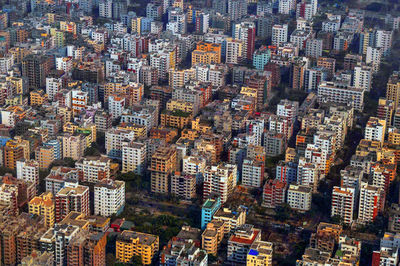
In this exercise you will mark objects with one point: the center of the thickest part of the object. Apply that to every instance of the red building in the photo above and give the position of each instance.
(274, 193)
(72, 198)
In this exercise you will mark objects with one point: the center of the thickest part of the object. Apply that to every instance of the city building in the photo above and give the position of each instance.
(130, 243)
(109, 197)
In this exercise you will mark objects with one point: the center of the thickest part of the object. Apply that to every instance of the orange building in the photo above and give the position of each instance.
(206, 53)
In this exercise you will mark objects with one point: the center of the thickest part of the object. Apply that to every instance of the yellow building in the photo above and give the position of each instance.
(176, 119)
(249, 92)
(206, 53)
(260, 253)
(18, 83)
(212, 236)
(200, 126)
(290, 154)
(15, 150)
(65, 112)
(140, 130)
(38, 97)
(394, 137)
(43, 205)
(68, 26)
(181, 105)
(18, 54)
(130, 243)
(89, 131)
(189, 134)
(393, 89)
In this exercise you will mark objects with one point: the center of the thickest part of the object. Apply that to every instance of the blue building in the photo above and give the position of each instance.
(261, 57)
(286, 172)
(56, 144)
(209, 208)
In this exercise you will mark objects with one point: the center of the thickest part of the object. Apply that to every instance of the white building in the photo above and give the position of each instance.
(288, 109)
(286, 6)
(28, 171)
(194, 165)
(362, 77)
(105, 9)
(374, 57)
(134, 158)
(384, 41)
(53, 85)
(370, 203)
(109, 197)
(234, 51)
(314, 48)
(252, 173)
(115, 139)
(299, 197)
(279, 34)
(375, 129)
(343, 94)
(220, 180)
(116, 106)
(94, 169)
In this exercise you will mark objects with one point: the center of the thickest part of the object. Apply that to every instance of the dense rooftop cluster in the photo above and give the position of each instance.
(202, 132)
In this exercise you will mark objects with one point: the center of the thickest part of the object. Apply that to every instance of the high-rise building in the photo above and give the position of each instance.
(393, 89)
(237, 9)
(370, 203)
(36, 68)
(206, 53)
(246, 32)
(94, 169)
(375, 129)
(362, 77)
(279, 34)
(183, 185)
(163, 163)
(299, 197)
(28, 171)
(73, 197)
(208, 209)
(252, 173)
(73, 146)
(343, 203)
(109, 197)
(274, 193)
(219, 180)
(134, 158)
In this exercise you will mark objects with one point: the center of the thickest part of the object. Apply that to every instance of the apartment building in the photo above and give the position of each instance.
(299, 197)
(134, 157)
(343, 94)
(260, 253)
(220, 180)
(206, 53)
(183, 185)
(28, 171)
(131, 243)
(109, 197)
(212, 236)
(370, 203)
(274, 193)
(375, 129)
(343, 203)
(163, 163)
(73, 146)
(72, 197)
(233, 219)
(240, 241)
(94, 169)
(208, 209)
(44, 205)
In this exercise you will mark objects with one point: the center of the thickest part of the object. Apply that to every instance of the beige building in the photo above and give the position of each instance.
(73, 146)
(163, 163)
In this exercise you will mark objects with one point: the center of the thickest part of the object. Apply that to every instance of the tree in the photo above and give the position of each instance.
(136, 260)
(282, 213)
